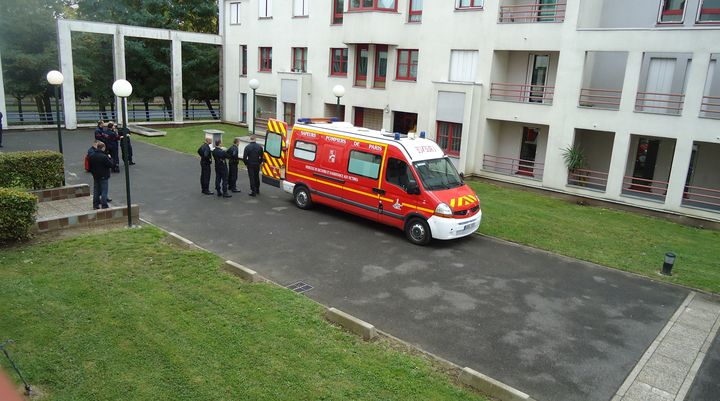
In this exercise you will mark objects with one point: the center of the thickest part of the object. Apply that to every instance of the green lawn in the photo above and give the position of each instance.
(123, 316)
(189, 139)
(622, 240)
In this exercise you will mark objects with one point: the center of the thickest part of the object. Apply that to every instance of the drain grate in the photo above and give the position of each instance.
(300, 287)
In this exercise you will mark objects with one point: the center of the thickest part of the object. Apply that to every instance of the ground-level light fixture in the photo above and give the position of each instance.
(668, 263)
(122, 89)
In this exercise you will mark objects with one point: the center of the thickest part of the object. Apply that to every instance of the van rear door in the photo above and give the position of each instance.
(273, 167)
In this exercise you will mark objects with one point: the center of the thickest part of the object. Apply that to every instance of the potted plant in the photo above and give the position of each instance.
(574, 161)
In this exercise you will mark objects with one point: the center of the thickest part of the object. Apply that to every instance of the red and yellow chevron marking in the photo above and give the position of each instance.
(463, 200)
(272, 165)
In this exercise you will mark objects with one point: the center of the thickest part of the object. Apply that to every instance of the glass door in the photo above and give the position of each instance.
(538, 72)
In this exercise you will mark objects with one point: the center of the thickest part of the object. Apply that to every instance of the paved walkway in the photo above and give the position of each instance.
(669, 366)
(60, 208)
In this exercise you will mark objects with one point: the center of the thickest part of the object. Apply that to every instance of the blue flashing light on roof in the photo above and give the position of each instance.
(303, 120)
(397, 136)
(422, 134)
(334, 120)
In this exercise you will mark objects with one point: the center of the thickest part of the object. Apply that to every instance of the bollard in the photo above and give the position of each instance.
(668, 264)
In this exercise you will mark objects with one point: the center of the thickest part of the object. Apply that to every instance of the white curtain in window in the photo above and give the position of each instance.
(463, 65)
(264, 8)
(234, 13)
(386, 3)
(301, 8)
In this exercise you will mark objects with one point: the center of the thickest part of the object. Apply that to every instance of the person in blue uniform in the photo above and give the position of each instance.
(221, 170)
(111, 141)
(253, 158)
(100, 131)
(100, 165)
(233, 160)
(205, 162)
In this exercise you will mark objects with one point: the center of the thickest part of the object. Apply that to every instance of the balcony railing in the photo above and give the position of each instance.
(660, 103)
(710, 106)
(645, 188)
(524, 93)
(535, 12)
(607, 99)
(701, 197)
(511, 166)
(590, 179)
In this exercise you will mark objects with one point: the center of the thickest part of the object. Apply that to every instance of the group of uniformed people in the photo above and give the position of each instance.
(226, 166)
(108, 134)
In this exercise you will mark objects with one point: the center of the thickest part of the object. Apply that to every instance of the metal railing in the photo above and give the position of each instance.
(607, 99)
(201, 114)
(590, 179)
(88, 116)
(710, 106)
(644, 187)
(524, 93)
(29, 118)
(701, 197)
(661, 103)
(512, 166)
(535, 12)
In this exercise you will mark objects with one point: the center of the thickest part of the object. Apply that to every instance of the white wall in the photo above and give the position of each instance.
(597, 147)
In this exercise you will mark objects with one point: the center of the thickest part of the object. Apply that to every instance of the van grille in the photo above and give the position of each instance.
(467, 212)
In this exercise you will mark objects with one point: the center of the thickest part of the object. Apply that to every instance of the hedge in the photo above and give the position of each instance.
(38, 169)
(17, 214)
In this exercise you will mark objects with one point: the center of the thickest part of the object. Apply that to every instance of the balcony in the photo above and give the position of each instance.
(660, 103)
(532, 12)
(522, 93)
(606, 99)
(588, 179)
(710, 107)
(513, 166)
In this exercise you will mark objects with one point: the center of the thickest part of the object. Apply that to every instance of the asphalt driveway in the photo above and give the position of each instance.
(553, 327)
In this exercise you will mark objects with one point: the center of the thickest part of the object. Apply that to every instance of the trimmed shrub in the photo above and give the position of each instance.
(38, 169)
(17, 214)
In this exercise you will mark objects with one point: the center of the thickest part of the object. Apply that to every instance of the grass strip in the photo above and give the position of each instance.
(188, 139)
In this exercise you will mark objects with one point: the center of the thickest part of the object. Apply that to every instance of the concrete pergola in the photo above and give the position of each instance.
(119, 32)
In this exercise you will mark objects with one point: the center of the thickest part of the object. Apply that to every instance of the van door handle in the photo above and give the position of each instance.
(379, 191)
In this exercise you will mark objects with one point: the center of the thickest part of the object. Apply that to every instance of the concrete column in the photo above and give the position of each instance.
(679, 171)
(618, 163)
(177, 80)
(66, 67)
(631, 82)
(119, 68)
(3, 110)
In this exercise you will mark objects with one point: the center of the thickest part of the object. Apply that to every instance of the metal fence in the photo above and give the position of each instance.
(136, 113)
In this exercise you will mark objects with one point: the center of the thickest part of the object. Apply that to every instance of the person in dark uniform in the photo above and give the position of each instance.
(253, 157)
(100, 165)
(205, 162)
(221, 170)
(100, 131)
(233, 160)
(1, 117)
(111, 141)
(125, 133)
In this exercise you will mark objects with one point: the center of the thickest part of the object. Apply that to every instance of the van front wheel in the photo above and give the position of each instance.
(418, 231)
(302, 198)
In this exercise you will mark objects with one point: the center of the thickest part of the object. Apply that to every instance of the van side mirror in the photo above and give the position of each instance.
(462, 176)
(413, 189)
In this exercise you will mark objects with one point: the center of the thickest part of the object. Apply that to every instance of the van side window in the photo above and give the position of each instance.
(364, 164)
(273, 144)
(398, 173)
(305, 150)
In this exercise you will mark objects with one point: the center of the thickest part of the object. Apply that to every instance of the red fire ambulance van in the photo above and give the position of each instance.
(405, 182)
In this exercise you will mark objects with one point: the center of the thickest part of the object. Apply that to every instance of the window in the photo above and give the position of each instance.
(463, 64)
(301, 8)
(264, 8)
(672, 12)
(415, 11)
(378, 5)
(234, 13)
(407, 65)
(243, 60)
(361, 64)
(709, 11)
(289, 113)
(449, 136)
(273, 144)
(364, 164)
(399, 173)
(243, 105)
(338, 62)
(381, 58)
(266, 59)
(305, 150)
(467, 4)
(337, 14)
(299, 59)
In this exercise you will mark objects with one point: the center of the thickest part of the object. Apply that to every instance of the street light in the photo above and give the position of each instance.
(338, 91)
(254, 84)
(122, 89)
(55, 78)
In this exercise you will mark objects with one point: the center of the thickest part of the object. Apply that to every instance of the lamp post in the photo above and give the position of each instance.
(338, 91)
(55, 78)
(254, 84)
(122, 89)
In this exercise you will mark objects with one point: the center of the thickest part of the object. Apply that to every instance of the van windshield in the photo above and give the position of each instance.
(438, 174)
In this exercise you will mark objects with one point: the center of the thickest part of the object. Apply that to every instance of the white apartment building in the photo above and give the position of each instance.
(504, 86)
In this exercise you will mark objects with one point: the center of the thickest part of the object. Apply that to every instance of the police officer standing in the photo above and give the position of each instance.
(233, 160)
(205, 161)
(111, 141)
(221, 170)
(253, 157)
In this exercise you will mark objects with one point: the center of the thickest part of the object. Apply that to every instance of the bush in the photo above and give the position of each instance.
(31, 170)
(17, 214)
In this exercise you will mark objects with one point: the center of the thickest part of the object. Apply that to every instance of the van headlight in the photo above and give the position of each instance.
(443, 210)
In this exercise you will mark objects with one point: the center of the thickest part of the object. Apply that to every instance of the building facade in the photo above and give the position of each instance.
(508, 88)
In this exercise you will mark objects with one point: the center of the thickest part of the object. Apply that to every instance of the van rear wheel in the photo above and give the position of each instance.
(302, 198)
(418, 231)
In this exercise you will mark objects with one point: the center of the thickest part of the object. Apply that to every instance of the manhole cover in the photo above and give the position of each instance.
(300, 287)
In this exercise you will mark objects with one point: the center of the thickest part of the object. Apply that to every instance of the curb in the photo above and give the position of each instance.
(241, 271)
(363, 329)
(181, 241)
(491, 387)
